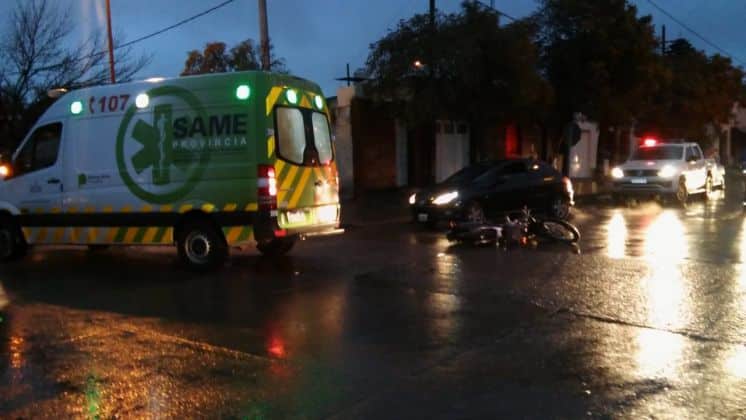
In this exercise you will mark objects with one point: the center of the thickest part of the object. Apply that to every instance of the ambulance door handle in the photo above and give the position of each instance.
(53, 181)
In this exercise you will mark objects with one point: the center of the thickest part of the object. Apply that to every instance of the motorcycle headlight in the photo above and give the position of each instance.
(445, 198)
(667, 171)
(617, 173)
(412, 198)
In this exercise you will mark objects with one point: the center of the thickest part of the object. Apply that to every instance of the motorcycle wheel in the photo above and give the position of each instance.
(560, 231)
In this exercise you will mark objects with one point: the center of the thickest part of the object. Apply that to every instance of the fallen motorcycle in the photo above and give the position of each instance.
(522, 230)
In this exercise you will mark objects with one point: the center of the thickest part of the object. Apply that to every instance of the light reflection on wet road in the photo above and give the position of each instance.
(391, 321)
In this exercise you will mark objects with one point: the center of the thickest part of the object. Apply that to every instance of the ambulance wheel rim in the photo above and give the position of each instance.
(198, 248)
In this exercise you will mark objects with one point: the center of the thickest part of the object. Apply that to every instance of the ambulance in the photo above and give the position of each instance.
(205, 163)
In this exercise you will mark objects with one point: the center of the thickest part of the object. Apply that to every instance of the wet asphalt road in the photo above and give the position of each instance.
(646, 319)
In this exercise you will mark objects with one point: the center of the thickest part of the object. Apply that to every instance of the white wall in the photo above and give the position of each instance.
(583, 155)
(451, 151)
(343, 141)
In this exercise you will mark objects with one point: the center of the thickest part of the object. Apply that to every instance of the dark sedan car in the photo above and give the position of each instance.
(488, 190)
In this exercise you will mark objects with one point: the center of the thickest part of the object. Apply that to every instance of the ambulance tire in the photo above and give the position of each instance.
(276, 247)
(201, 247)
(12, 243)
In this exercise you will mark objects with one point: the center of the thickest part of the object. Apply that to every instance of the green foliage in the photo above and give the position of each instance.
(472, 68)
(215, 59)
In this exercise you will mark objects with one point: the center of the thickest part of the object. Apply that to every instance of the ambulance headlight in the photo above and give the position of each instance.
(445, 198)
(667, 171)
(412, 198)
(142, 100)
(617, 173)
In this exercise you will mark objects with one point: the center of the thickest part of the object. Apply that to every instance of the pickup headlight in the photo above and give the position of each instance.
(445, 198)
(617, 173)
(412, 198)
(667, 171)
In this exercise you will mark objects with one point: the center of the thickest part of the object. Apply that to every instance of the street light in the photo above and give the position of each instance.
(418, 64)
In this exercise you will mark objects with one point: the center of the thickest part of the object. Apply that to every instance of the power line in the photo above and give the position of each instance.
(694, 32)
(499, 12)
(150, 35)
(176, 25)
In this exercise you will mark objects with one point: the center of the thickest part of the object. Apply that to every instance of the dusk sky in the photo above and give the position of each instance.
(317, 38)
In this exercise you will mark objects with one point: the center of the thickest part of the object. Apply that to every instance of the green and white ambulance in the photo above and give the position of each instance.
(204, 162)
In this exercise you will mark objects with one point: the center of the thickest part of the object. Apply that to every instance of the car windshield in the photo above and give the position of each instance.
(667, 152)
(467, 174)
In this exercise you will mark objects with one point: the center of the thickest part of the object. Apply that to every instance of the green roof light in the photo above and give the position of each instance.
(243, 92)
(292, 96)
(319, 102)
(76, 107)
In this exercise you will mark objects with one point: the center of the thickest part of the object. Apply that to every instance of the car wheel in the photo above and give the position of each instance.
(275, 247)
(682, 194)
(12, 243)
(474, 213)
(560, 209)
(201, 247)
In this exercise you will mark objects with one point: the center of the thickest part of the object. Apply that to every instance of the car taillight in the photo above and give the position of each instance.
(266, 187)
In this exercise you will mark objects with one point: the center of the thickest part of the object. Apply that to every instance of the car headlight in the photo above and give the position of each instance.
(617, 173)
(412, 198)
(667, 171)
(445, 198)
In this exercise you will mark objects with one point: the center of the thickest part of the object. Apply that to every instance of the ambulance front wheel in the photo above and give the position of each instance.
(201, 246)
(276, 247)
(12, 243)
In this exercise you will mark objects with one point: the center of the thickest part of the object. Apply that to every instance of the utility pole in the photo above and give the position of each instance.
(264, 34)
(663, 39)
(111, 42)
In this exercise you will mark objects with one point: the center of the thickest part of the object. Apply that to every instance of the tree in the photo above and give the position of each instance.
(468, 68)
(600, 59)
(214, 59)
(696, 91)
(34, 57)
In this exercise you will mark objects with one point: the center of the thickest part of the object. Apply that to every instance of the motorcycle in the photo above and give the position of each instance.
(522, 230)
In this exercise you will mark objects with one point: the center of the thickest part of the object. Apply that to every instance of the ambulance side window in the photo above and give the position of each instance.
(40, 151)
(291, 134)
(322, 138)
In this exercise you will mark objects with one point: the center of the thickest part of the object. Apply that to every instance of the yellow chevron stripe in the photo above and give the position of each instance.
(74, 234)
(252, 207)
(185, 208)
(233, 234)
(59, 235)
(26, 233)
(149, 235)
(208, 208)
(90, 209)
(126, 209)
(270, 146)
(111, 235)
(230, 207)
(304, 103)
(271, 100)
(279, 164)
(286, 183)
(167, 208)
(168, 236)
(130, 236)
(108, 209)
(92, 235)
(147, 208)
(300, 188)
(41, 235)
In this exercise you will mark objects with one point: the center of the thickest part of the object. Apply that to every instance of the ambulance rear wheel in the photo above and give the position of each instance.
(201, 246)
(12, 243)
(276, 247)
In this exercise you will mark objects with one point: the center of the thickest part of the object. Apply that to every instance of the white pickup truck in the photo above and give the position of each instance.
(667, 169)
